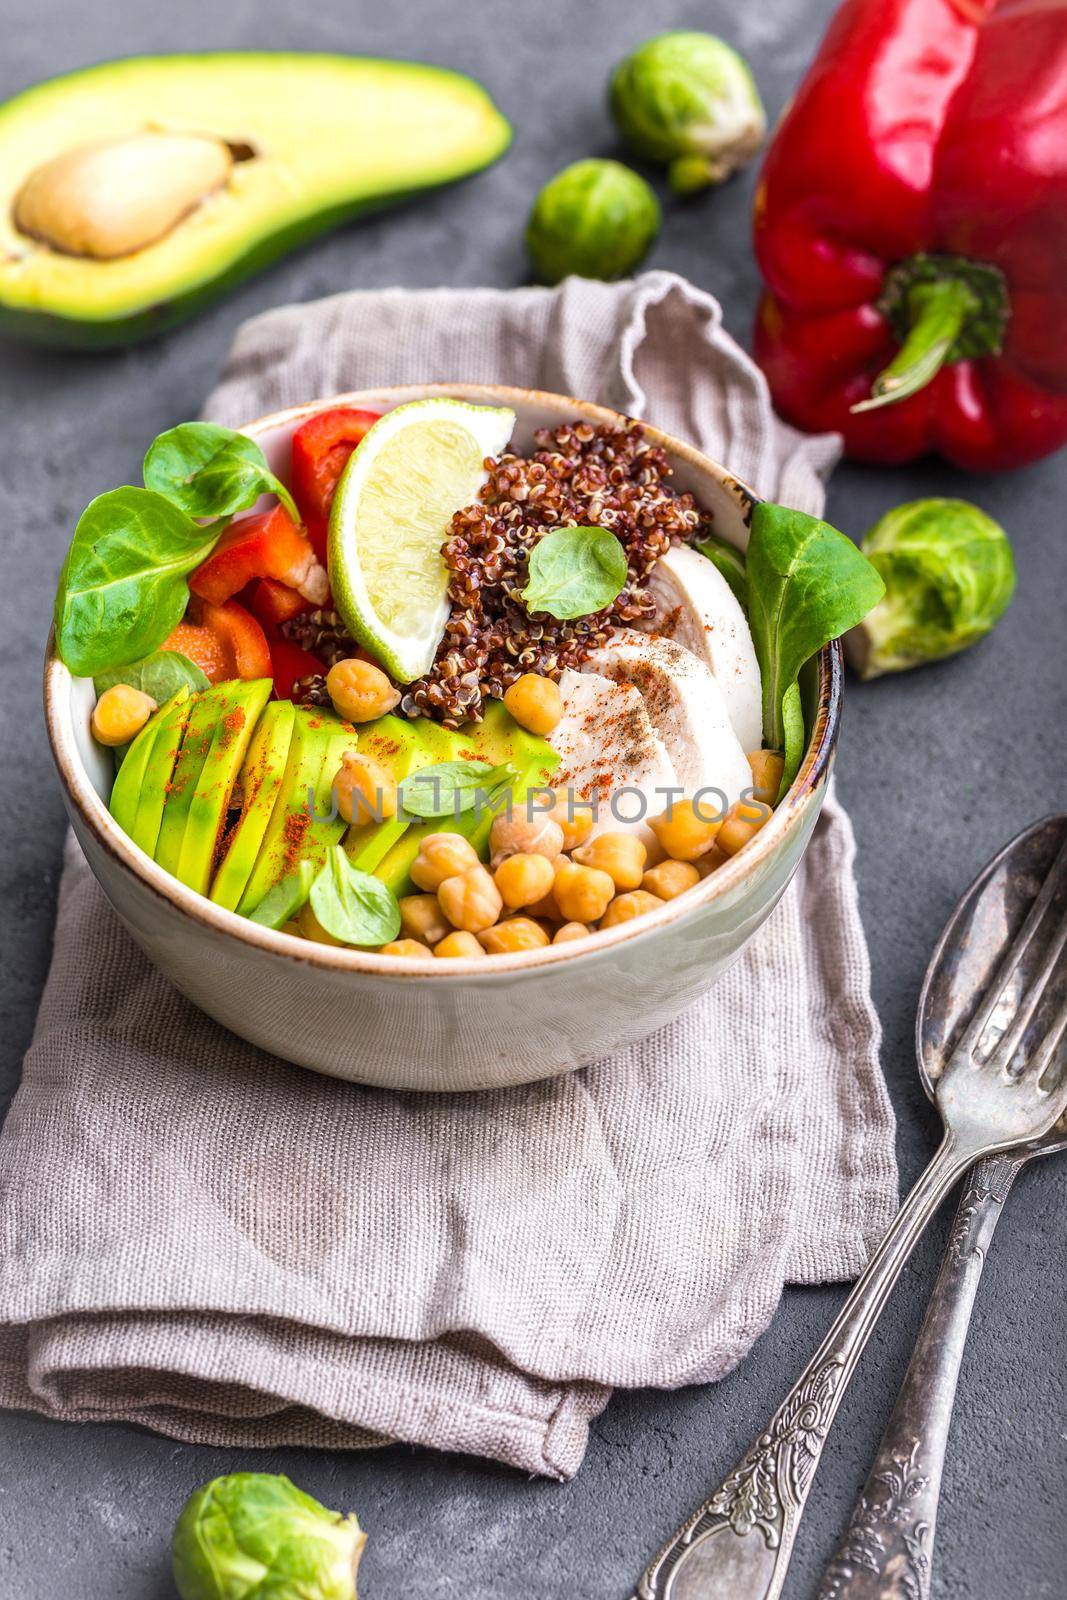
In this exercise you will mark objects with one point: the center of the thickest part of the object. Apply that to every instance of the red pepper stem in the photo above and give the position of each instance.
(937, 312)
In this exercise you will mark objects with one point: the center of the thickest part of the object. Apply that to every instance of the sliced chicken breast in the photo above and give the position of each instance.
(606, 744)
(686, 705)
(696, 607)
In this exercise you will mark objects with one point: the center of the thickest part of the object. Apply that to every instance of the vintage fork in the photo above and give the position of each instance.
(738, 1544)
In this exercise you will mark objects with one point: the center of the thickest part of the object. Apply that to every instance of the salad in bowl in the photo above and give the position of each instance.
(463, 682)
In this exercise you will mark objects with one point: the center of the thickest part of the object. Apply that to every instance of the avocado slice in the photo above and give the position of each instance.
(402, 747)
(170, 725)
(260, 782)
(130, 778)
(496, 739)
(287, 897)
(303, 143)
(221, 724)
(293, 834)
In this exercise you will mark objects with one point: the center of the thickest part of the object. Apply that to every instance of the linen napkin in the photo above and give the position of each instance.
(203, 1239)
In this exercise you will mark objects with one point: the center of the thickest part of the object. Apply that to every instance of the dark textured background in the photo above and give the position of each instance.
(937, 768)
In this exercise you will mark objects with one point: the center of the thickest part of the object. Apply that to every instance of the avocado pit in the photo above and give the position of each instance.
(112, 197)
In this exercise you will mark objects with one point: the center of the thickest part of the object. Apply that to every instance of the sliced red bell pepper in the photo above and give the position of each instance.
(266, 546)
(321, 448)
(911, 227)
(225, 641)
(273, 603)
(290, 663)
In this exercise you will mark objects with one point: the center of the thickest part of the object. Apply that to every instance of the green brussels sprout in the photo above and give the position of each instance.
(252, 1534)
(595, 218)
(949, 574)
(689, 101)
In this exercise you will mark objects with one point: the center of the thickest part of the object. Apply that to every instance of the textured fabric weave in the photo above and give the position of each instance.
(197, 1237)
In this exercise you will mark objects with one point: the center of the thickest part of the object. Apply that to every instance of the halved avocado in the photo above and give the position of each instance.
(221, 724)
(260, 782)
(304, 143)
(130, 778)
(159, 769)
(296, 832)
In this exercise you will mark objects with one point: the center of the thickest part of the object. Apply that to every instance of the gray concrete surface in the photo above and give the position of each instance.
(938, 769)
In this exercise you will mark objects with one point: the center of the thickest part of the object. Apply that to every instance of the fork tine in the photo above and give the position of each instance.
(1005, 1050)
(1019, 946)
(1047, 1049)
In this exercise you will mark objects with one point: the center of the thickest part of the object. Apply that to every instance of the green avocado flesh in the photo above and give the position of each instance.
(402, 748)
(170, 727)
(293, 834)
(259, 783)
(317, 140)
(129, 781)
(221, 724)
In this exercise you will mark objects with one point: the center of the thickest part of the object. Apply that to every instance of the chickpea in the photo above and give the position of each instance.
(767, 768)
(743, 821)
(411, 948)
(471, 900)
(524, 879)
(360, 691)
(710, 863)
(458, 944)
(621, 855)
(120, 714)
(535, 703)
(311, 927)
(535, 835)
(686, 830)
(420, 918)
(574, 817)
(545, 909)
(670, 879)
(441, 856)
(582, 894)
(365, 790)
(628, 906)
(569, 931)
(518, 933)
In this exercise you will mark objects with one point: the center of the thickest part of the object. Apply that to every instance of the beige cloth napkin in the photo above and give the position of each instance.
(197, 1237)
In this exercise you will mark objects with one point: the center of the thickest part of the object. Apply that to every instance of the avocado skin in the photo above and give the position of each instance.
(130, 778)
(261, 775)
(158, 314)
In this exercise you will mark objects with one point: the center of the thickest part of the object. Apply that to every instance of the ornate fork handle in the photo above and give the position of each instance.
(737, 1546)
(886, 1551)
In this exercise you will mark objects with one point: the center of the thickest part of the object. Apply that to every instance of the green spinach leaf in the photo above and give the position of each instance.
(807, 584)
(122, 588)
(160, 675)
(354, 906)
(210, 471)
(451, 787)
(575, 571)
(730, 562)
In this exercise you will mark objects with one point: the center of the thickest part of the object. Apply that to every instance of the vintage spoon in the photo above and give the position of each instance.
(887, 1549)
(992, 1098)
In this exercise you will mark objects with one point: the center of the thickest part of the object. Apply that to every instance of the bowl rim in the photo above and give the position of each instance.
(94, 815)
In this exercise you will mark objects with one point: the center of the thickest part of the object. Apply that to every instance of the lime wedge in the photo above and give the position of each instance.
(413, 470)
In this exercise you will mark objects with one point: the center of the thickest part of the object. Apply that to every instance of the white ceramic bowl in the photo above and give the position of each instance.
(462, 1024)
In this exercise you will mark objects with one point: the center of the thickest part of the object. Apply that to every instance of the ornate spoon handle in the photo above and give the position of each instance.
(886, 1551)
(738, 1544)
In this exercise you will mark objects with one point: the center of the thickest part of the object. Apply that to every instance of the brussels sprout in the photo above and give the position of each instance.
(253, 1534)
(949, 574)
(689, 101)
(595, 218)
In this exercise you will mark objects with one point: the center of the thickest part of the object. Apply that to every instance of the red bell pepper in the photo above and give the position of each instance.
(273, 603)
(321, 448)
(224, 641)
(911, 226)
(266, 546)
(289, 663)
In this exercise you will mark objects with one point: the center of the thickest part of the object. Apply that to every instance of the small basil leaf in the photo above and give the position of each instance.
(451, 787)
(286, 897)
(160, 675)
(122, 588)
(211, 471)
(575, 571)
(354, 906)
(807, 584)
(730, 562)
